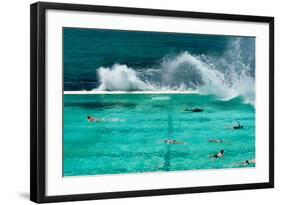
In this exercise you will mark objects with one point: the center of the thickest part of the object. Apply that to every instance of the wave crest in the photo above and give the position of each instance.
(226, 77)
(205, 76)
(121, 78)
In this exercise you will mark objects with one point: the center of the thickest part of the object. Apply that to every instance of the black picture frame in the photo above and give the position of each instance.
(38, 101)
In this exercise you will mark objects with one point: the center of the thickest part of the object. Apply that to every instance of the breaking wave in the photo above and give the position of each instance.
(227, 77)
(121, 78)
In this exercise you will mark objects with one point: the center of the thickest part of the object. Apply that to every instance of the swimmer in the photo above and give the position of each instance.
(92, 119)
(215, 140)
(239, 126)
(172, 142)
(194, 110)
(219, 154)
(248, 162)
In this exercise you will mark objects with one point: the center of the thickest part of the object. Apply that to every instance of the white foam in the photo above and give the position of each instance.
(226, 84)
(121, 78)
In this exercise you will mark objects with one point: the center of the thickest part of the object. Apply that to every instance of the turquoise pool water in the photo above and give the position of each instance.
(130, 137)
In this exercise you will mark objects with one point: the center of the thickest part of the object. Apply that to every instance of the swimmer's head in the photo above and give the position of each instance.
(88, 117)
(222, 151)
(247, 162)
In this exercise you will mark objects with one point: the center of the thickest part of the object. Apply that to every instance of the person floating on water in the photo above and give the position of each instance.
(238, 126)
(173, 142)
(194, 110)
(92, 119)
(246, 163)
(215, 140)
(249, 162)
(219, 154)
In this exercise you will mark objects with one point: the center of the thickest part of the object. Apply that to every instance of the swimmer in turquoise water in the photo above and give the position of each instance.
(92, 119)
(215, 140)
(194, 110)
(172, 142)
(238, 126)
(249, 162)
(219, 154)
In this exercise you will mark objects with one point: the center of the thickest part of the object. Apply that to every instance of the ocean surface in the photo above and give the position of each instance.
(138, 85)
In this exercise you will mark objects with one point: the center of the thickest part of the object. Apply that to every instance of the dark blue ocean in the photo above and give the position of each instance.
(87, 50)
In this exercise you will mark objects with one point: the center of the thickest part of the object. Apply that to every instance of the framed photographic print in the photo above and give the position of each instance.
(129, 102)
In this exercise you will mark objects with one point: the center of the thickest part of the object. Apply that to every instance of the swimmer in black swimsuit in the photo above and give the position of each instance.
(219, 154)
(194, 110)
(237, 127)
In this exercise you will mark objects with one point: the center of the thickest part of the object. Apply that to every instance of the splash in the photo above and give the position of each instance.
(121, 78)
(206, 76)
(226, 77)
